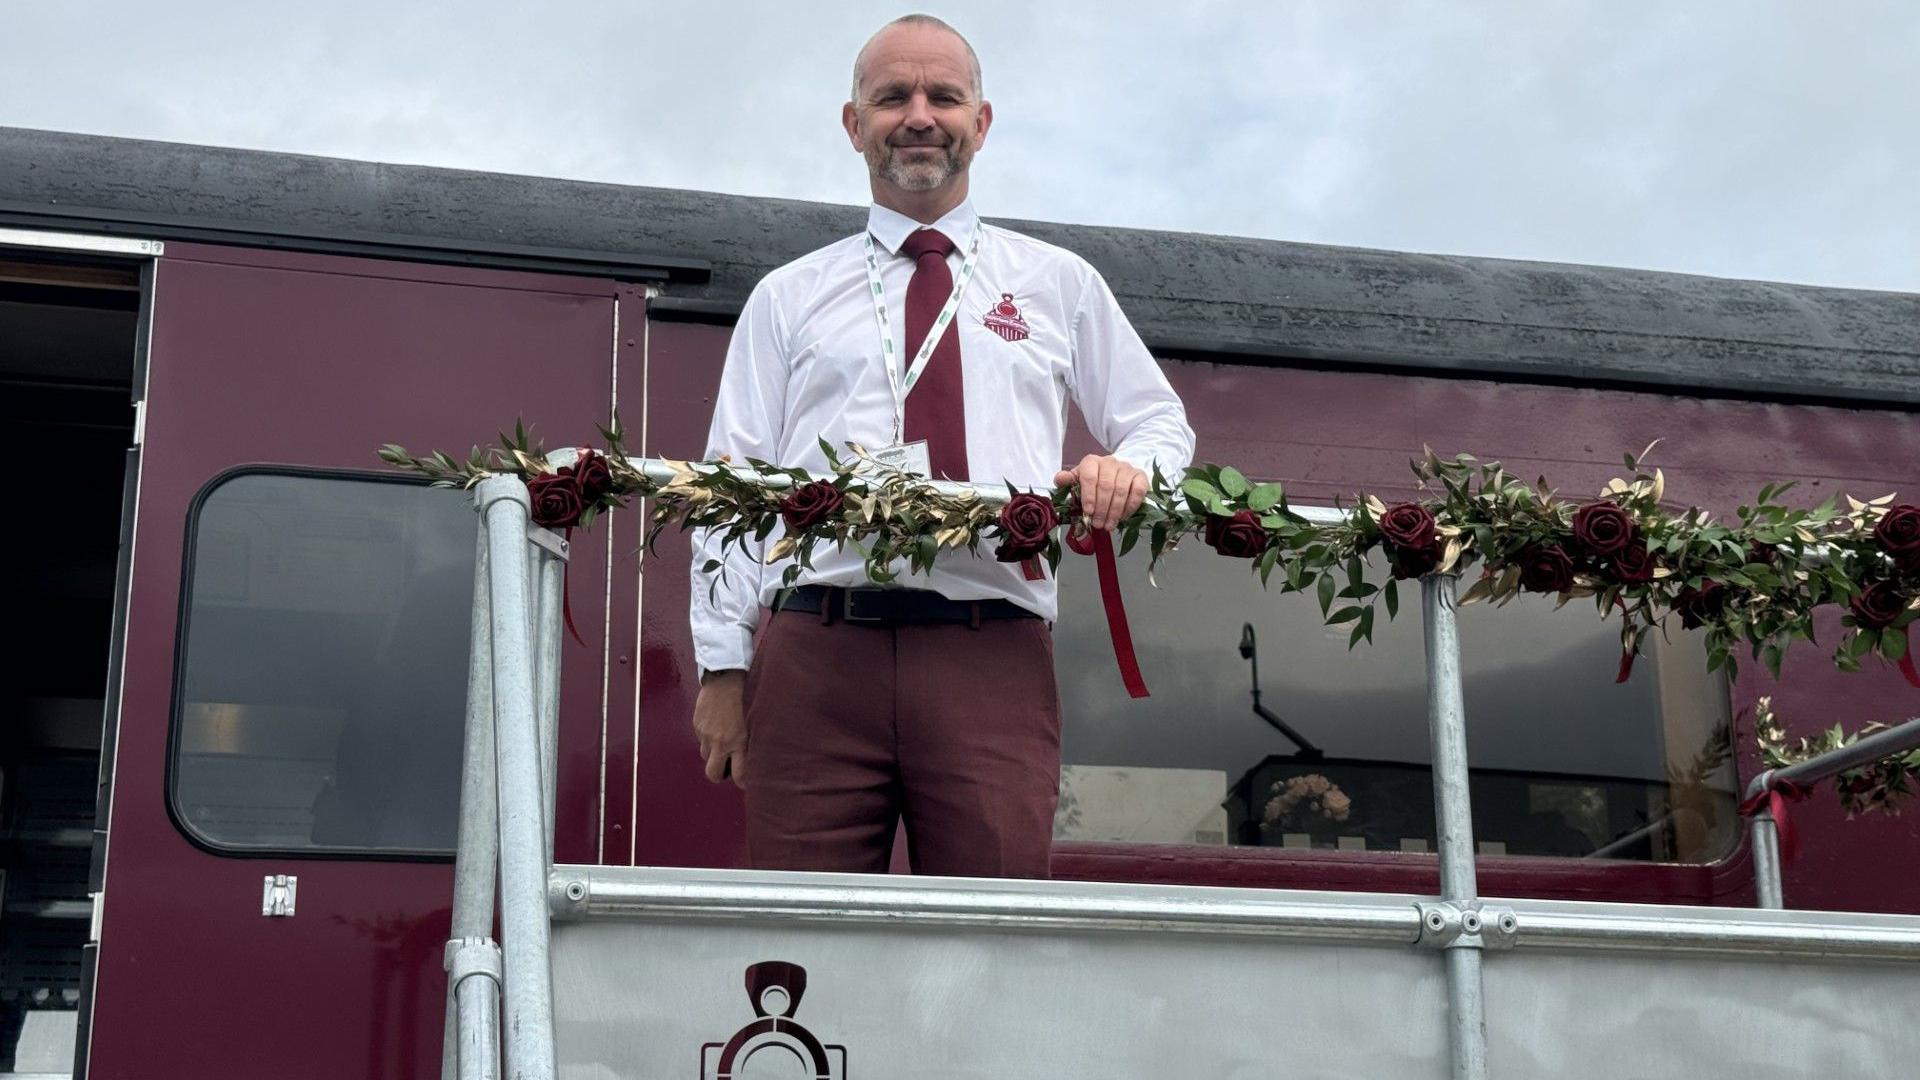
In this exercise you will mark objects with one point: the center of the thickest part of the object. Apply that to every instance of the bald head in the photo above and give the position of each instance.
(913, 23)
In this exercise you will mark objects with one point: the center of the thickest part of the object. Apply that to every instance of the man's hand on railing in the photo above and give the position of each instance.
(1110, 489)
(720, 723)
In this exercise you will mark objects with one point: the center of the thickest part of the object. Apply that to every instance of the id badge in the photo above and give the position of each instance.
(908, 458)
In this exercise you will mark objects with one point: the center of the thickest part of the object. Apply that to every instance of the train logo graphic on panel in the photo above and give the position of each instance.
(774, 1044)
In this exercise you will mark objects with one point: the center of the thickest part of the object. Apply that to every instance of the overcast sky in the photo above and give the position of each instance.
(1773, 139)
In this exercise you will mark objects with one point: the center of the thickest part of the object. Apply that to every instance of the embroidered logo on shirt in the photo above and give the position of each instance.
(1004, 319)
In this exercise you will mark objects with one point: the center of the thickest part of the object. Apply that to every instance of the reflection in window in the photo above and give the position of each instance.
(323, 685)
(1564, 761)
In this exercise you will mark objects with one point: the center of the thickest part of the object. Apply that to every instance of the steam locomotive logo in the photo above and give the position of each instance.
(773, 1044)
(1004, 319)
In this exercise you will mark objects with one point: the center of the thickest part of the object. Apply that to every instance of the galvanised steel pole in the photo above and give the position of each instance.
(473, 976)
(552, 585)
(528, 976)
(1453, 815)
(476, 851)
(1765, 833)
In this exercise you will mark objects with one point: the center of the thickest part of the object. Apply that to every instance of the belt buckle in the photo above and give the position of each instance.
(847, 613)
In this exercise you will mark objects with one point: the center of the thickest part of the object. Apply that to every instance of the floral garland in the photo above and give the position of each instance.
(1876, 787)
(1757, 580)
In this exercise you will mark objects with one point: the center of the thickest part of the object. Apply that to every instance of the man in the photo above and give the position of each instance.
(932, 703)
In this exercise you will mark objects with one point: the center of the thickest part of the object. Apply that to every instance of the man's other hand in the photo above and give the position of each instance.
(1110, 489)
(720, 723)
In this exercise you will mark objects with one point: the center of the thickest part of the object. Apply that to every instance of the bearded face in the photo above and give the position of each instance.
(916, 115)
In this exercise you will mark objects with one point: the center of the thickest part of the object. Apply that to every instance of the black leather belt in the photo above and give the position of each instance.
(892, 607)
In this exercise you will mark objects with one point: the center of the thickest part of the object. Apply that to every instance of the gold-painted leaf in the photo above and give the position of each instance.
(1481, 590)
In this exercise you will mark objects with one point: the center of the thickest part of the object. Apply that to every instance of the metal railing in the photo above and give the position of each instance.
(507, 798)
(508, 789)
(1765, 831)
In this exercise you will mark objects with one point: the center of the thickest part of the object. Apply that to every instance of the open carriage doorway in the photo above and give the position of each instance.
(69, 371)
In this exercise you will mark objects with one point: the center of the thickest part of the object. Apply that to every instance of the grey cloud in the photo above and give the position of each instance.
(1757, 139)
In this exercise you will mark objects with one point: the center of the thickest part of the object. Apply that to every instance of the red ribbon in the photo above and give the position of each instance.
(1906, 659)
(1626, 652)
(1099, 544)
(1775, 800)
(1030, 568)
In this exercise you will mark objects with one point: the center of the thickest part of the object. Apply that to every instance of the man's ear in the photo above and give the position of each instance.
(850, 119)
(985, 122)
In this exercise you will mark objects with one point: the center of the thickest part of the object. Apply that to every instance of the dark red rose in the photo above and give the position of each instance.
(1546, 568)
(1026, 524)
(1696, 606)
(556, 499)
(593, 476)
(1899, 533)
(1602, 529)
(1764, 554)
(1238, 537)
(1412, 563)
(809, 504)
(1632, 565)
(1877, 605)
(1409, 526)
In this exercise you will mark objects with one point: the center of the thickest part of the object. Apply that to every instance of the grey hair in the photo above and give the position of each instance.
(916, 19)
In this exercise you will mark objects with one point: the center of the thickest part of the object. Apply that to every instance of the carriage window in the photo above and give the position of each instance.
(323, 677)
(1565, 761)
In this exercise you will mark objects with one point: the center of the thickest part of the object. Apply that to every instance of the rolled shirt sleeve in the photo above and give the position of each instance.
(1122, 393)
(748, 414)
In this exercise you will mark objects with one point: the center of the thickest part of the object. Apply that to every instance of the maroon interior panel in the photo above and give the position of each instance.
(270, 357)
(1331, 433)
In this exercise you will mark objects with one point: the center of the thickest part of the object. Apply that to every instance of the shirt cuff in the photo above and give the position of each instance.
(1144, 458)
(723, 648)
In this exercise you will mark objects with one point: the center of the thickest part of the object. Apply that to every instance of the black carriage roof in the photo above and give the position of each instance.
(1205, 297)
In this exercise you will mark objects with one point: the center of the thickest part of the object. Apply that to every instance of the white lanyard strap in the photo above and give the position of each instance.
(903, 383)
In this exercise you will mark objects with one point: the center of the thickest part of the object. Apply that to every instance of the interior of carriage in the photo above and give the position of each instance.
(68, 329)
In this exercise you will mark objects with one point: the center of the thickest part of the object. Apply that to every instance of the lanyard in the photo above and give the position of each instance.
(903, 384)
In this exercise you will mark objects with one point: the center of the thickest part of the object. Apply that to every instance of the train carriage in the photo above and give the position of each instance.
(242, 663)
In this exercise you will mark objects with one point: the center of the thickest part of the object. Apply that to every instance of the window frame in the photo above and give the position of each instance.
(1727, 877)
(177, 696)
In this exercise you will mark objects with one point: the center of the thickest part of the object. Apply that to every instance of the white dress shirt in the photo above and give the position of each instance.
(804, 364)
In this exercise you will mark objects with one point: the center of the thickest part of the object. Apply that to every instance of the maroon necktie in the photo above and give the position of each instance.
(937, 407)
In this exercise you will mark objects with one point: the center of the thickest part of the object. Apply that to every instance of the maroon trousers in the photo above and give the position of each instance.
(951, 729)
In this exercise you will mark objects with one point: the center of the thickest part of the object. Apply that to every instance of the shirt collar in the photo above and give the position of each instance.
(891, 228)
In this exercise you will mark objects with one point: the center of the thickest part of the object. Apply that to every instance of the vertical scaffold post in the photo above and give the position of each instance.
(527, 972)
(476, 855)
(1765, 833)
(1453, 814)
(552, 599)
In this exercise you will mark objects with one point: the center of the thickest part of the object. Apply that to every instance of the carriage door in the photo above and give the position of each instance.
(278, 869)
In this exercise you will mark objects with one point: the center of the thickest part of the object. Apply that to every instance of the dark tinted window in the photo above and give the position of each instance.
(323, 686)
(1565, 762)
